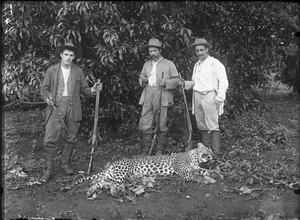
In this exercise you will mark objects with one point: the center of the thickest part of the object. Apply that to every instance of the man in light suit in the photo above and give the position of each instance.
(159, 77)
(209, 83)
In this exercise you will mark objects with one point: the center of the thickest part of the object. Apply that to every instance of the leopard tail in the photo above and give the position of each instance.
(81, 180)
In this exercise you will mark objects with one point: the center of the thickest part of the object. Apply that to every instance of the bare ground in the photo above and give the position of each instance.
(168, 200)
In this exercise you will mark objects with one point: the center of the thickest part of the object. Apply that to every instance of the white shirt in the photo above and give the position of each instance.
(66, 73)
(203, 76)
(214, 77)
(152, 77)
(209, 75)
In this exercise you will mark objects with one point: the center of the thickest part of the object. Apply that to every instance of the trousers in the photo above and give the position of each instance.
(206, 114)
(54, 126)
(149, 109)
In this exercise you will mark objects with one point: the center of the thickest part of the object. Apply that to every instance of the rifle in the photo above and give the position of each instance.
(94, 137)
(157, 119)
(53, 106)
(190, 128)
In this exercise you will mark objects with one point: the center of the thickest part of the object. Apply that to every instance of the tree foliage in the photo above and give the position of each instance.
(252, 39)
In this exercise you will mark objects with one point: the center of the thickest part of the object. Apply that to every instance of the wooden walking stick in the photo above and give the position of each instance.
(94, 137)
(157, 120)
(189, 123)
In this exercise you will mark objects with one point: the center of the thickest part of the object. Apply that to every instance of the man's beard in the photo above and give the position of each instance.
(154, 57)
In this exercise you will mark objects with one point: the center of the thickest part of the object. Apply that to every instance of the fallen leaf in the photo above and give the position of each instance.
(251, 180)
(255, 195)
(139, 190)
(147, 195)
(119, 200)
(150, 185)
(245, 190)
(131, 198)
(94, 196)
(207, 194)
(22, 174)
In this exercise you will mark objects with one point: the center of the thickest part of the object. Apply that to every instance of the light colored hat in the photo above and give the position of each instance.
(68, 46)
(200, 41)
(153, 42)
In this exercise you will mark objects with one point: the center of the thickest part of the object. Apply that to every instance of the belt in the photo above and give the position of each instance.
(204, 92)
(65, 96)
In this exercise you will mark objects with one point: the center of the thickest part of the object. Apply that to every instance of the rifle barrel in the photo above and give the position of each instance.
(94, 137)
(157, 119)
(190, 128)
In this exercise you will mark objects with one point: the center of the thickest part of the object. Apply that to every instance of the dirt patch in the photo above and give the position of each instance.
(23, 134)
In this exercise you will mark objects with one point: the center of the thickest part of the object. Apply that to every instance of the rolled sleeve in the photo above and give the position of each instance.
(222, 81)
(188, 85)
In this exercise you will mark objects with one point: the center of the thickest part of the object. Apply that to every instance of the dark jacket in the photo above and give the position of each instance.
(78, 85)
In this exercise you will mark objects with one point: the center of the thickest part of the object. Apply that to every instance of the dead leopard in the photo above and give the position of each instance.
(186, 165)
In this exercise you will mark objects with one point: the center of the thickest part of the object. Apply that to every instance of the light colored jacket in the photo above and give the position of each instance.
(171, 78)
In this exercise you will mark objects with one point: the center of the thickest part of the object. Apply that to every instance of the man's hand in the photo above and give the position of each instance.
(144, 81)
(217, 103)
(181, 82)
(50, 101)
(96, 86)
(162, 82)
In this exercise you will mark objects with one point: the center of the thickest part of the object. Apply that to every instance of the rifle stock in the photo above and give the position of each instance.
(94, 137)
(157, 119)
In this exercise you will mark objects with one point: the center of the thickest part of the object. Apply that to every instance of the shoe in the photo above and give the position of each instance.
(67, 153)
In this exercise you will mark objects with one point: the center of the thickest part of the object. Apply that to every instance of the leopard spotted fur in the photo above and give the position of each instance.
(186, 165)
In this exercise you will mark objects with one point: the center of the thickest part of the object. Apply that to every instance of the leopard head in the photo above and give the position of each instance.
(204, 154)
(200, 156)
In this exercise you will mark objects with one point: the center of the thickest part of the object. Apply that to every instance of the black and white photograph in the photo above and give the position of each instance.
(155, 110)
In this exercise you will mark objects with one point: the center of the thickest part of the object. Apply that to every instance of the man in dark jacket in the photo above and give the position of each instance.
(62, 86)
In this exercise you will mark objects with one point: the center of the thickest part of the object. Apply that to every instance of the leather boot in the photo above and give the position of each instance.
(49, 156)
(146, 143)
(67, 153)
(215, 136)
(160, 142)
(205, 136)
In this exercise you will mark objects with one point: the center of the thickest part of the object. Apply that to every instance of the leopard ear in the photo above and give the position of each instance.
(200, 145)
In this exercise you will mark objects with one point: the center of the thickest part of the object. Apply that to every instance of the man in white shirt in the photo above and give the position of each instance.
(209, 83)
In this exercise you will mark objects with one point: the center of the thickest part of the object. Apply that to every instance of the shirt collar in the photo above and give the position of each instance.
(157, 61)
(200, 61)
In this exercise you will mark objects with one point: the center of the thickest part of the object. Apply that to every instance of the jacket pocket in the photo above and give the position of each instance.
(167, 98)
